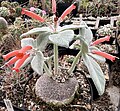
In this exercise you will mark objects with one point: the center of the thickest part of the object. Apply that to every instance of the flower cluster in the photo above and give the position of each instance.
(37, 17)
(18, 57)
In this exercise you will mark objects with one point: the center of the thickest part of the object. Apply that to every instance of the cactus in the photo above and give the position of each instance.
(5, 4)
(3, 24)
(4, 12)
(18, 10)
(33, 2)
(14, 4)
(3, 27)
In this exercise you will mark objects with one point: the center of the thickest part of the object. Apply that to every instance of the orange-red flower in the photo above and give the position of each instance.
(67, 11)
(18, 55)
(11, 54)
(37, 17)
(107, 38)
(105, 55)
(12, 61)
(32, 15)
(53, 6)
(20, 62)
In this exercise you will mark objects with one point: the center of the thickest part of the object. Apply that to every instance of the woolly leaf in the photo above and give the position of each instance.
(62, 38)
(97, 57)
(42, 40)
(36, 31)
(95, 73)
(37, 63)
(71, 27)
(27, 42)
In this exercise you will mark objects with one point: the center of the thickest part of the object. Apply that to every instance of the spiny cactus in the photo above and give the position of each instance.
(14, 4)
(4, 12)
(18, 10)
(5, 4)
(3, 24)
(33, 2)
(18, 21)
(3, 27)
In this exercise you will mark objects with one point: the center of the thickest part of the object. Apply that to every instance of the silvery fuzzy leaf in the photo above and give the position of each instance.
(95, 73)
(82, 31)
(27, 42)
(97, 57)
(38, 62)
(84, 45)
(36, 31)
(71, 27)
(62, 38)
(88, 35)
(42, 40)
(93, 48)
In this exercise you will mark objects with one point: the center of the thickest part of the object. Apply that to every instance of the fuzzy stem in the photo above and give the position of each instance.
(49, 64)
(74, 63)
(47, 70)
(55, 59)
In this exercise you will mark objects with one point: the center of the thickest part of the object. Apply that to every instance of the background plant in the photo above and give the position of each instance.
(105, 30)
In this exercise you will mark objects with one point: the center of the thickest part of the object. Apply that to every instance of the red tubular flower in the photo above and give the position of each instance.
(11, 54)
(20, 56)
(67, 11)
(12, 61)
(107, 38)
(24, 49)
(20, 62)
(105, 55)
(53, 6)
(32, 15)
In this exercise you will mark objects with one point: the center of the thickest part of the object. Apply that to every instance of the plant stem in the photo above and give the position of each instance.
(47, 70)
(74, 63)
(55, 59)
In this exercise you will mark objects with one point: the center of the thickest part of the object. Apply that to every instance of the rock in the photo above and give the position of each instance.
(114, 93)
(56, 93)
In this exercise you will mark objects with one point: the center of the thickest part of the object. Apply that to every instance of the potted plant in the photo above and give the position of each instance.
(55, 85)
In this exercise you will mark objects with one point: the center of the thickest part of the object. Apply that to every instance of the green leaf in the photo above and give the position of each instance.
(95, 73)
(36, 31)
(27, 42)
(42, 40)
(38, 62)
(62, 38)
